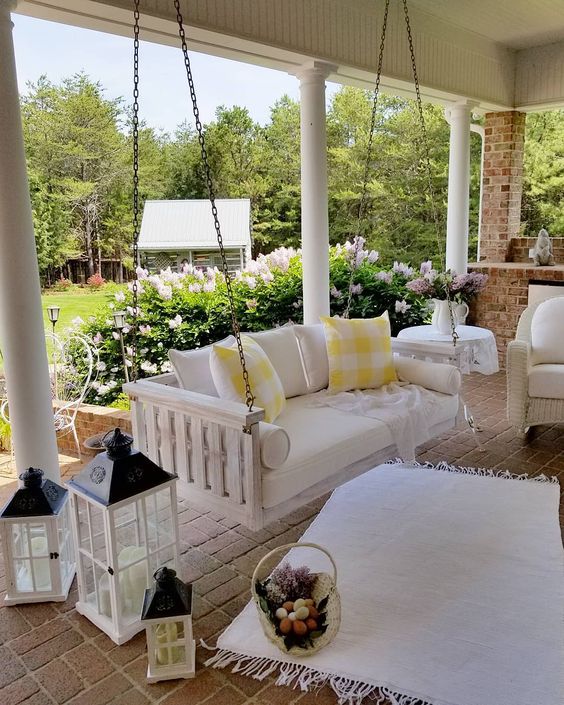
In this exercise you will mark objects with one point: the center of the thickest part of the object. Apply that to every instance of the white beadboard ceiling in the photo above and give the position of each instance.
(517, 24)
(500, 54)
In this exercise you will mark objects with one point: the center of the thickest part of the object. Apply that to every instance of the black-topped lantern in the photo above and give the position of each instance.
(37, 541)
(124, 516)
(167, 614)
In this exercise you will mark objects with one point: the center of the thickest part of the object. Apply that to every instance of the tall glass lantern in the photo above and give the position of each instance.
(167, 614)
(37, 540)
(124, 517)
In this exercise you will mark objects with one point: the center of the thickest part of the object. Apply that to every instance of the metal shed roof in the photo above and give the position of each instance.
(177, 225)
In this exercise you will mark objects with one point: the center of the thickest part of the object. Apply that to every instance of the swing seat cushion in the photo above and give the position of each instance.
(359, 353)
(265, 383)
(324, 440)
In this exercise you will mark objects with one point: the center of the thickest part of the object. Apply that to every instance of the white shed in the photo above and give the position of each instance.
(177, 232)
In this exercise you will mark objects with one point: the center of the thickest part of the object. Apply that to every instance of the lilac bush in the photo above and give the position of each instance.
(189, 308)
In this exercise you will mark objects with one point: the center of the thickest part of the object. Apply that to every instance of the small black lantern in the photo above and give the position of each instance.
(167, 613)
(37, 541)
(124, 516)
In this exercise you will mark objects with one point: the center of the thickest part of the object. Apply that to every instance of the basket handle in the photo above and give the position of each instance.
(285, 547)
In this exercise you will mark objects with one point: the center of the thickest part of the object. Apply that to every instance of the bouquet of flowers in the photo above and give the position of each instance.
(437, 285)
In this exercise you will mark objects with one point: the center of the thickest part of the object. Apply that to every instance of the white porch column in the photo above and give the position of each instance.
(22, 339)
(315, 216)
(458, 116)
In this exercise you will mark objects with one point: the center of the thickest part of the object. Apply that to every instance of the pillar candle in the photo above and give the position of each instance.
(167, 633)
(41, 566)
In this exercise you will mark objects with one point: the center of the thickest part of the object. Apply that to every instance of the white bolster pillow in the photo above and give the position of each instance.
(436, 376)
(274, 445)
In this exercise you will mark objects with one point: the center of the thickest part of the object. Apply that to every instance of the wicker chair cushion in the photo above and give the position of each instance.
(546, 381)
(547, 332)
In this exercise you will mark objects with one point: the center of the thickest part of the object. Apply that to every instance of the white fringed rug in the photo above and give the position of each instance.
(452, 590)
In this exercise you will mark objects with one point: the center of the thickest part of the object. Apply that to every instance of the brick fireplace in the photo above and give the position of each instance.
(504, 254)
(499, 306)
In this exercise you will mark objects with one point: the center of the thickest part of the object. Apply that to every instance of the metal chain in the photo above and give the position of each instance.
(367, 164)
(135, 184)
(428, 169)
(249, 398)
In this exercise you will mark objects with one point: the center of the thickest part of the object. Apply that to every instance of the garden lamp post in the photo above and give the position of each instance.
(53, 313)
(119, 323)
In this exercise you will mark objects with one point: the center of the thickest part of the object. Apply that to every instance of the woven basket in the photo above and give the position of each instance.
(325, 586)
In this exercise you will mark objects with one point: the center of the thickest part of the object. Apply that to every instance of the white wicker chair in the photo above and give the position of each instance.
(524, 410)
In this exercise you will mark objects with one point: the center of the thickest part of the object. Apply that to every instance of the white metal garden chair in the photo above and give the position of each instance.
(72, 368)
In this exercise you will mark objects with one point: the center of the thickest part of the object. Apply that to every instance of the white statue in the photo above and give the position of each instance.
(542, 251)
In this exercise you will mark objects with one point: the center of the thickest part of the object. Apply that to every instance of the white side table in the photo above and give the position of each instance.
(478, 346)
(475, 351)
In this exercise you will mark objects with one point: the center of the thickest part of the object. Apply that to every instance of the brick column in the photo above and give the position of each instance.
(502, 183)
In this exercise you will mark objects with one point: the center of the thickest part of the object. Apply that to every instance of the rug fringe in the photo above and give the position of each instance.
(443, 466)
(297, 675)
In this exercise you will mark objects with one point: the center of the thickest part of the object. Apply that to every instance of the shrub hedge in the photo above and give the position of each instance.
(190, 309)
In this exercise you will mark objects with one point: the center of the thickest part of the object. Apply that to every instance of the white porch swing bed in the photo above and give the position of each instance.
(230, 461)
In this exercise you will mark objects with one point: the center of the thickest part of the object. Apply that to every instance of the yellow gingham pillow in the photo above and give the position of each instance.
(359, 352)
(265, 384)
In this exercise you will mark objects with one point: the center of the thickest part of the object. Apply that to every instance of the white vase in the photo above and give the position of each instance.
(461, 310)
(441, 319)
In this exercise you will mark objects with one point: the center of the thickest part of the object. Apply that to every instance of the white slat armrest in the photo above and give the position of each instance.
(222, 411)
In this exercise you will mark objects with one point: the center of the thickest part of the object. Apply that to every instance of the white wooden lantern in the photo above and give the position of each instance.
(125, 522)
(37, 540)
(167, 615)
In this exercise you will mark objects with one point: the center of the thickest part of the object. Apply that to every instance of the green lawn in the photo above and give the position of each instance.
(73, 304)
(81, 303)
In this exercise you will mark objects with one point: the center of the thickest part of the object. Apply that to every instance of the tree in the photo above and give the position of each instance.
(93, 151)
(278, 220)
(184, 172)
(55, 240)
(398, 219)
(76, 156)
(543, 182)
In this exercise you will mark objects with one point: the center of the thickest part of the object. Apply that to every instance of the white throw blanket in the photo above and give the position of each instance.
(452, 592)
(406, 409)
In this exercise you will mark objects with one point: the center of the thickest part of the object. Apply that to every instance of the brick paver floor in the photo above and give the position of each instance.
(50, 654)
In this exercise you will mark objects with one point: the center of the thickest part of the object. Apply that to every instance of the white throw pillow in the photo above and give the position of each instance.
(547, 332)
(313, 352)
(192, 367)
(281, 348)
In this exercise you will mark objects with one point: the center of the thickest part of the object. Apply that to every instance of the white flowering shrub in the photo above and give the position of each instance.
(189, 309)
